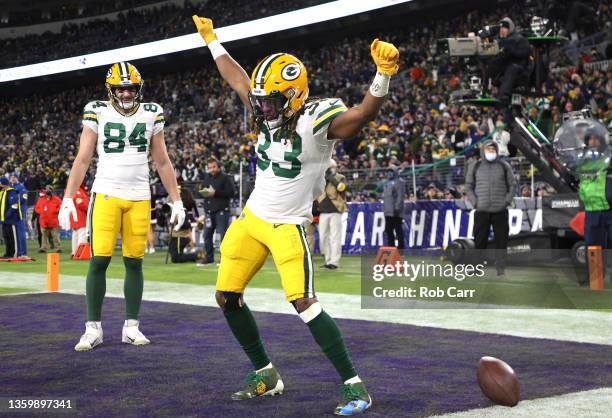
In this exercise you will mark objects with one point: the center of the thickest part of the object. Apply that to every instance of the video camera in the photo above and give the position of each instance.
(483, 45)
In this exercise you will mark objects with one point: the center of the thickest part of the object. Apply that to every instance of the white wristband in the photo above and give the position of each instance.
(380, 85)
(216, 49)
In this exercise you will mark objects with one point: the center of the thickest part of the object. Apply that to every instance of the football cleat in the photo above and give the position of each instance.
(132, 335)
(91, 338)
(355, 400)
(266, 382)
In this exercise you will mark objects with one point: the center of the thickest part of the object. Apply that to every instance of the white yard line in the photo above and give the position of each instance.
(556, 324)
(591, 403)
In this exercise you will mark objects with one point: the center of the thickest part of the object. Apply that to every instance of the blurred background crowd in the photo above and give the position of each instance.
(418, 125)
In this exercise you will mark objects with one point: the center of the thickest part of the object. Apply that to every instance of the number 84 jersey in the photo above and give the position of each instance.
(123, 148)
(290, 170)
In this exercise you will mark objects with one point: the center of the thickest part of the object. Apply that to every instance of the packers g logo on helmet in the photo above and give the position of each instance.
(278, 88)
(124, 75)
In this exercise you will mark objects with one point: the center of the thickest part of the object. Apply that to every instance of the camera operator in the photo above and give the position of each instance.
(511, 64)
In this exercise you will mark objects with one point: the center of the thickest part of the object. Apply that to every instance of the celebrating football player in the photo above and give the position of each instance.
(123, 131)
(294, 147)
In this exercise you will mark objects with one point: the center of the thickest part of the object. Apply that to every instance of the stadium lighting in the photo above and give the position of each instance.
(294, 19)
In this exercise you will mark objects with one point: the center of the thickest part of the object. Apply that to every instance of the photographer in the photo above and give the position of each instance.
(182, 245)
(217, 192)
(511, 65)
(332, 204)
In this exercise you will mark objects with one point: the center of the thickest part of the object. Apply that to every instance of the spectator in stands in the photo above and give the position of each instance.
(217, 192)
(432, 192)
(332, 204)
(190, 172)
(490, 187)
(79, 225)
(47, 209)
(502, 138)
(394, 194)
(451, 193)
(525, 191)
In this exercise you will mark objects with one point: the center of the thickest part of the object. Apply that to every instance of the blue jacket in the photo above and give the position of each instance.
(10, 207)
(23, 199)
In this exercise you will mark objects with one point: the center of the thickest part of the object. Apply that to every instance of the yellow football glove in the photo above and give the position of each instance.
(385, 56)
(204, 26)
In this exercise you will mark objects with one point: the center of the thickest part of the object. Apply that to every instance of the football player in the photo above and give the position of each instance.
(295, 143)
(123, 131)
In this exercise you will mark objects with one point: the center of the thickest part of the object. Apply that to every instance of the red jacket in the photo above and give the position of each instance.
(48, 208)
(81, 202)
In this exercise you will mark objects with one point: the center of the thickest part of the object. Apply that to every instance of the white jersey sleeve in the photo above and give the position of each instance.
(158, 124)
(90, 115)
(326, 111)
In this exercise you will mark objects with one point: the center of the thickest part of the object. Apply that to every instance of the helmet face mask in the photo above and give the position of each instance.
(124, 76)
(278, 89)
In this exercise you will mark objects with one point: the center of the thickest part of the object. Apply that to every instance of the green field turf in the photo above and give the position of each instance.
(518, 288)
(344, 280)
(11, 290)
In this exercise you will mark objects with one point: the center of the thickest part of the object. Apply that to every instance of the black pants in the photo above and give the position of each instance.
(482, 225)
(513, 74)
(9, 233)
(177, 251)
(393, 230)
(219, 221)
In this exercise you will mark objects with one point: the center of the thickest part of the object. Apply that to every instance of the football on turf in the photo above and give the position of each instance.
(498, 381)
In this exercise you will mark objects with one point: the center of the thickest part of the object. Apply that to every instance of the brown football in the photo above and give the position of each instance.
(498, 381)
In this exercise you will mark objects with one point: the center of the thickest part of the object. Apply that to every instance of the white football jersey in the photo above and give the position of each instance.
(123, 148)
(290, 173)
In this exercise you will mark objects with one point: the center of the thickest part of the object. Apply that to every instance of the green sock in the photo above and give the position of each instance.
(327, 334)
(132, 286)
(96, 286)
(244, 328)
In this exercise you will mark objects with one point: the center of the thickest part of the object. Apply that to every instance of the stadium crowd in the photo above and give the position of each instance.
(418, 123)
(133, 27)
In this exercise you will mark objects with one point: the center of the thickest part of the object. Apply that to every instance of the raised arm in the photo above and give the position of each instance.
(229, 69)
(349, 123)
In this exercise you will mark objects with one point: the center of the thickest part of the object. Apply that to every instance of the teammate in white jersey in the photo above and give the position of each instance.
(123, 131)
(294, 147)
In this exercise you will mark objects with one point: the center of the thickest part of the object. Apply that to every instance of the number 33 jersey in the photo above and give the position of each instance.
(123, 148)
(290, 171)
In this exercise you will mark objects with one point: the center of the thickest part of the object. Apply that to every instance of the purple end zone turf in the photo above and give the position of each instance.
(194, 363)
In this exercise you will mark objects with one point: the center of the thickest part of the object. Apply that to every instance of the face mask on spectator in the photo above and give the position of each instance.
(490, 156)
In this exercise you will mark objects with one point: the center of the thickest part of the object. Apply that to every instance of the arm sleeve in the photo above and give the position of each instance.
(326, 111)
(90, 116)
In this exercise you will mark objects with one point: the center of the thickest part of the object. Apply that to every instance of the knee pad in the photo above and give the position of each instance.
(232, 301)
